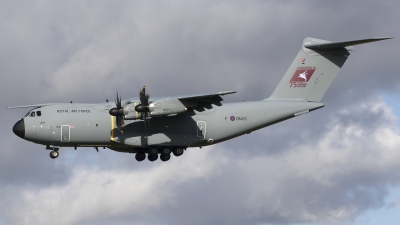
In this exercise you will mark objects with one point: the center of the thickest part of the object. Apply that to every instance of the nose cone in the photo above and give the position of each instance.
(19, 128)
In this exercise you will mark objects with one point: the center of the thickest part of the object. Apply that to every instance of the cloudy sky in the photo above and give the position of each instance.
(336, 165)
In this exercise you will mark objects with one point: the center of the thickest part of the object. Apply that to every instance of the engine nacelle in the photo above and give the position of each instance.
(130, 112)
(162, 107)
(167, 107)
(129, 108)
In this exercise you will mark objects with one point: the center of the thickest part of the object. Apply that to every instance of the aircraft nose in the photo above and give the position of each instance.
(19, 128)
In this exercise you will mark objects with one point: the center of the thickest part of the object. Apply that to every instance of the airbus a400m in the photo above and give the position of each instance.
(161, 126)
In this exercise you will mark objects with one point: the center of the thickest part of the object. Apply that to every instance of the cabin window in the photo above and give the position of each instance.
(38, 113)
(32, 114)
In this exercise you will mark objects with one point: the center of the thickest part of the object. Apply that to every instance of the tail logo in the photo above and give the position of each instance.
(301, 76)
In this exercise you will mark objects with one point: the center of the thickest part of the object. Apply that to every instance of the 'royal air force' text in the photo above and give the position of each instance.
(73, 111)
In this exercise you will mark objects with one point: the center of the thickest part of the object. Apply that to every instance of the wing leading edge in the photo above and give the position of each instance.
(204, 100)
(34, 106)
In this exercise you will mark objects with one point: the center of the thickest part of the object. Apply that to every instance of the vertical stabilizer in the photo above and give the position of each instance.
(314, 68)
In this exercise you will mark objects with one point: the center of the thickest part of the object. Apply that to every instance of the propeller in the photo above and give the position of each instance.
(143, 107)
(118, 112)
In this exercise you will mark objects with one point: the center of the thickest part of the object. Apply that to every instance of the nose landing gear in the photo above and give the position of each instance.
(54, 154)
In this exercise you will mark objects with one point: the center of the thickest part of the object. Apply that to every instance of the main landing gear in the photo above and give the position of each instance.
(178, 152)
(165, 154)
(140, 156)
(165, 158)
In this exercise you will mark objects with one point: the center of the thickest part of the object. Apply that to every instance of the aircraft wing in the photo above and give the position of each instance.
(204, 100)
(34, 106)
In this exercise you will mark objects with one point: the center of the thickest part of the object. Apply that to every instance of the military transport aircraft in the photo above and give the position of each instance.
(159, 126)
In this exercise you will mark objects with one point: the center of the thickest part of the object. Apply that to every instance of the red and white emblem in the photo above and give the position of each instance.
(301, 76)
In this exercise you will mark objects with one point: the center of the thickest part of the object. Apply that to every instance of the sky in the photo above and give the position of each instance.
(336, 165)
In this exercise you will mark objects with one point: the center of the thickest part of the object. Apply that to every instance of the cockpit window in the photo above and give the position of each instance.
(32, 112)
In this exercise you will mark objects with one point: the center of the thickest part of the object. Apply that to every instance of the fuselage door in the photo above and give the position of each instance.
(65, 132)
(201, 129)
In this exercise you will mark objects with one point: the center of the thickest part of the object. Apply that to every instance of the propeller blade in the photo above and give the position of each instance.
(142, 95)
(145, 127)
(147, 118)
(118, 112)
(146, 100)
(118, 102)
(143, 107)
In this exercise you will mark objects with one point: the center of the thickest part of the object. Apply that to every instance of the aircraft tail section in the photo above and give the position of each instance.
(314, 68)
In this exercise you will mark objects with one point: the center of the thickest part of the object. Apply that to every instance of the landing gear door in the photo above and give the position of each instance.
(65, 133)
(201, 129)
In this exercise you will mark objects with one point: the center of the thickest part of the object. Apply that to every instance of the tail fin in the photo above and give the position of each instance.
(314, 68)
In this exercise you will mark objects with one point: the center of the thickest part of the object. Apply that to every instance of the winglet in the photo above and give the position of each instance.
(343, 44)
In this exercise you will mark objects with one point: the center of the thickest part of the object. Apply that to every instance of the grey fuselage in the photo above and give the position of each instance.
(91, 125)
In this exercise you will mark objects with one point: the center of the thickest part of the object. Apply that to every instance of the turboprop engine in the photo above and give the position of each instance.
(145, 109)
(162, 107)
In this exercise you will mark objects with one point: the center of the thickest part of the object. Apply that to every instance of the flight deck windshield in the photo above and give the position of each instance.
(33, 113)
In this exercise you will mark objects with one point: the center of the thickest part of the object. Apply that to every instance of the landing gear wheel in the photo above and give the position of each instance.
(140, 156)
(178, 152)
(165, 157)
(153, 151)
(54, 154)
(166, 151)
(152, 157)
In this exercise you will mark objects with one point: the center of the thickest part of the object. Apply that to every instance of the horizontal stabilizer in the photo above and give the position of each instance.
(342, 44)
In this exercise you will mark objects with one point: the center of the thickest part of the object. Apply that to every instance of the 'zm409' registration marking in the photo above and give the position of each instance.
(233, 118)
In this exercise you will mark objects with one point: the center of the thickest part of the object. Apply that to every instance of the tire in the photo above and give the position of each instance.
(152, 157)
(153, 151)
(165, 157)
(178, 151)
(166, 151)
(140, 156)
(54, 154)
